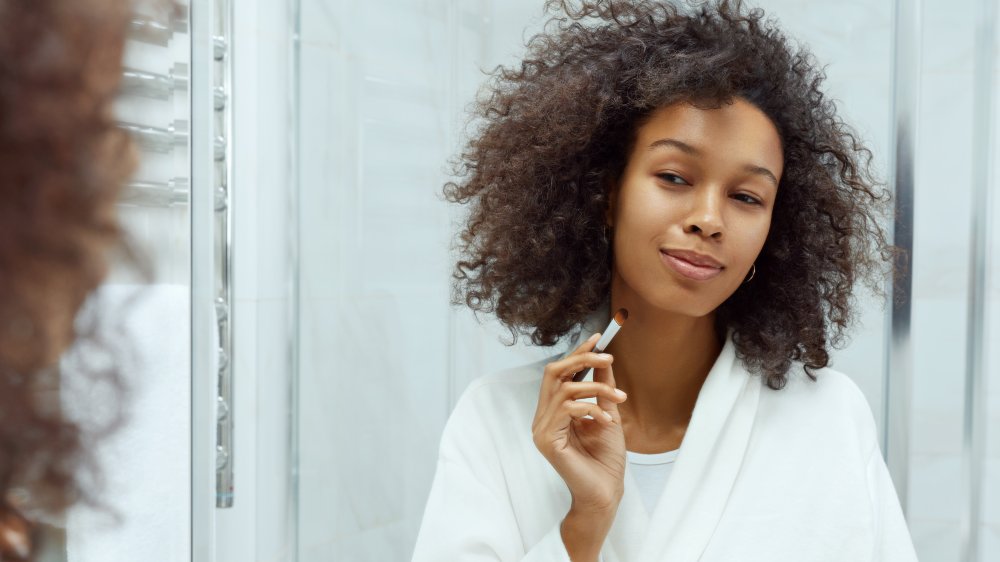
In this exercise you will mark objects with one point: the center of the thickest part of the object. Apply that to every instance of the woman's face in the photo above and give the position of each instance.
(693, 206)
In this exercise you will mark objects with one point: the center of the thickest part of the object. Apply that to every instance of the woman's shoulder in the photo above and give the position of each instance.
(495, 408)
(508, 387)
(832, 402)
(830, 385)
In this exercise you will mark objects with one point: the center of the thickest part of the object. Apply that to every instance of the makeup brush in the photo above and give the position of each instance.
(605, 340)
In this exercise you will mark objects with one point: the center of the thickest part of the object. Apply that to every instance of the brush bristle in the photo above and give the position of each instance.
(621, 316)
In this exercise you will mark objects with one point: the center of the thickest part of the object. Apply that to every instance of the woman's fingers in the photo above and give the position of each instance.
(563, 370)
(573, 410)
(578, 390)
(589, 454)
(587, 344)
(559, 418)
(606, 377)
(562, 374)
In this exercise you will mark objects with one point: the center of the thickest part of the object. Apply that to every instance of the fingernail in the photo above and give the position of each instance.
(604, 356)
(620, 394)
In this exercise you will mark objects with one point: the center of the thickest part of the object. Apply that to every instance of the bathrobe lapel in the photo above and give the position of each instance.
(704, 472)
(709, 460)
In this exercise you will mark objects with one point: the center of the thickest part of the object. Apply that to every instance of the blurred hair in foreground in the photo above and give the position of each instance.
(63, 163)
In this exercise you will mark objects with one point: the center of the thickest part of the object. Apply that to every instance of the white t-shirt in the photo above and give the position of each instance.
(651, 472)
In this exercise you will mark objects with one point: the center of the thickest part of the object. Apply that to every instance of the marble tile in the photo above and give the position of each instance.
(504, 27)
(329, 175)
(373, 545)
(325, 21)
(246, 159)
(482, 348)
(935, 488)
(940, 258)
(990, 496)
(948, 36)
(938, 332)
(369, 374)
(272, 162)
(990, 542)
(272, 419)
(935, 540)
(863, 356)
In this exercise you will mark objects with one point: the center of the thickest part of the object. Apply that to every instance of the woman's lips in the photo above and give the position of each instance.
(688, 269)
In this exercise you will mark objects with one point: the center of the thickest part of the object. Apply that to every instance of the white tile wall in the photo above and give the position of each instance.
(374, 314)
(990, 545)
(379, 121)
(941, 276)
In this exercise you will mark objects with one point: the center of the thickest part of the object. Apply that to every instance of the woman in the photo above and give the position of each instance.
(63, 162)
(682, 164)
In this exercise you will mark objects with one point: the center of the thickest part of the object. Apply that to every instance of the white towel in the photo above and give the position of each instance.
(146, 464)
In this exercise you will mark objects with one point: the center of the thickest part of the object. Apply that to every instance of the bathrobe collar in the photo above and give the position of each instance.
(706, 467)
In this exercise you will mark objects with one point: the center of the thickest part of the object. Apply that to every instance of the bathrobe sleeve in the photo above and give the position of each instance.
(468, 515)
(892, 538)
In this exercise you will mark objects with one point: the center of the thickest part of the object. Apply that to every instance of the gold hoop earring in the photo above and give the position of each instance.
(753, 271)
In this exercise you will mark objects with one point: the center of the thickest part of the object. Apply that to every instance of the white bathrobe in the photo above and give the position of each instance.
(761, 476)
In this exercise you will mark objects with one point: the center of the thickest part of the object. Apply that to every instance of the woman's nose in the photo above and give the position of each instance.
(706, 217)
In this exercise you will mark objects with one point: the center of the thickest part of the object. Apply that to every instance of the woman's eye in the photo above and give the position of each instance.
(671, 177)
(747, 199)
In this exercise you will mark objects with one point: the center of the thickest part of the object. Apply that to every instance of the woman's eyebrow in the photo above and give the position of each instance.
(761, 171)
(680, 145)
(688, 149)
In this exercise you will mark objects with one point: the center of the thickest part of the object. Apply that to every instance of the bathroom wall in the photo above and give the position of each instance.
(382, 354)
(944, 174)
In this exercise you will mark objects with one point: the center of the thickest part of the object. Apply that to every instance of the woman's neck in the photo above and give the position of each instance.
(661, 360)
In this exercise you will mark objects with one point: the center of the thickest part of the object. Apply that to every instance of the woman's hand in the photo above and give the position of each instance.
(589, 454)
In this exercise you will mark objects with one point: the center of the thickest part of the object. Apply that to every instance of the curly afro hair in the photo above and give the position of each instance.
(63, 164)
(553, 138)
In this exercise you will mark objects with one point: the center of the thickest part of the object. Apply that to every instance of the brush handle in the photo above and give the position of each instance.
(598, 348)
(583, 374)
